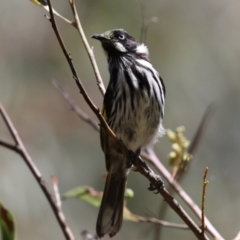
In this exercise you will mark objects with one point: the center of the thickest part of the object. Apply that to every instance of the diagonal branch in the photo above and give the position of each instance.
(87, 47)
(81, 114)
(202, 127)
(152, 158)
(21, 150)
(163, 223)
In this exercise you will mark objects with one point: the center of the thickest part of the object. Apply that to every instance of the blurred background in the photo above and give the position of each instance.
(194, 45)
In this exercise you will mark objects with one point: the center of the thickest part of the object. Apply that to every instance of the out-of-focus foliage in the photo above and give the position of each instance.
(93, 197)
(195, 47)
(179, 151)
(7, 226)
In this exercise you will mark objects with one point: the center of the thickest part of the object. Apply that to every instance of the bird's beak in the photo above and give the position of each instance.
(99, 37)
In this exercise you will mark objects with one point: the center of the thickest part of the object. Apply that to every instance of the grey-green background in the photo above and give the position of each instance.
(195, 45)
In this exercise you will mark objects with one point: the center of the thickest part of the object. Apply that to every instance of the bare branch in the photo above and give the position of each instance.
(202, 127)
(21, 150)
(153, 159)
(145, 22)
(157, 163)
(87, 47)
(205, 182)
(81, 114)
(162, 223)
(56, 191)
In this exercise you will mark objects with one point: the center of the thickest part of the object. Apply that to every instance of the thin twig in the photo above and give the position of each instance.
(19, 148)
(205, 182)
(56, 191)
(87, 47)
(145, 22)
(162, 223)
(81, 114)
(202, 127)
(143, 27)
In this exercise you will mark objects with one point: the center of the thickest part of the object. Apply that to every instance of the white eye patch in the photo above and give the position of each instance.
(120, 47)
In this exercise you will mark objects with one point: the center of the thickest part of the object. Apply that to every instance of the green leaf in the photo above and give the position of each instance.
(90, 195)
(40, 2)
(93, 197)
(7, 224)
(85, 193)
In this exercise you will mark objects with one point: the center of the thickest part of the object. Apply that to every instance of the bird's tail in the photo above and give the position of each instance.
(111, 211)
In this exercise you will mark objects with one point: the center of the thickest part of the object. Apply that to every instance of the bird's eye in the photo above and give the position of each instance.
(121, 37)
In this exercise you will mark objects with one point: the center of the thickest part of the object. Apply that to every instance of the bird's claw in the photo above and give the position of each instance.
(156, 186)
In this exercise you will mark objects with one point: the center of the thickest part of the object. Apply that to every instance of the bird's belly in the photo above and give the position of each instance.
(139, 128)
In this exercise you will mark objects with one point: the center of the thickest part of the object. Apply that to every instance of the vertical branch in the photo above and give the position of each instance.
(205, 182)
(143, 27)
(145, 22)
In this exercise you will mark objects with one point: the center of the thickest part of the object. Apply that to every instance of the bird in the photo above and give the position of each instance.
(133, 107)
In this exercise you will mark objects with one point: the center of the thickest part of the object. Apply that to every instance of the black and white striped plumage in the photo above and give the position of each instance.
(133, 107)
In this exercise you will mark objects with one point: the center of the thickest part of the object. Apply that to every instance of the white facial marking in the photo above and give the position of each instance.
(120, 47)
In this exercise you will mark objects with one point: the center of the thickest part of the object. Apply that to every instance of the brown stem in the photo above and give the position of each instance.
(81, 114)
(205, 182)
(87, 47)
(153, 159)
(19, 148)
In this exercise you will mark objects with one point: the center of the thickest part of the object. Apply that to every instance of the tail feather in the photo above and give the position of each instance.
(111, 211)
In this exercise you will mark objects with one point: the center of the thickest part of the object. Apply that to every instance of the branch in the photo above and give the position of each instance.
(81, 114)
(19, 148)
(162, 223)
(202, 127)
(145, 22)
(87, 47)
(153, 159)
(56, 191)
(205, 182)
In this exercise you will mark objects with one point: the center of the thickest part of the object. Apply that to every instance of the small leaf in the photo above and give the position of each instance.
(85, 193)
(41, 3)
(93, 197)
(7, 225)
(129, 216)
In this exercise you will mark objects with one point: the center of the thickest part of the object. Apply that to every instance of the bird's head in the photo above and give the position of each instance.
(118, 42)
